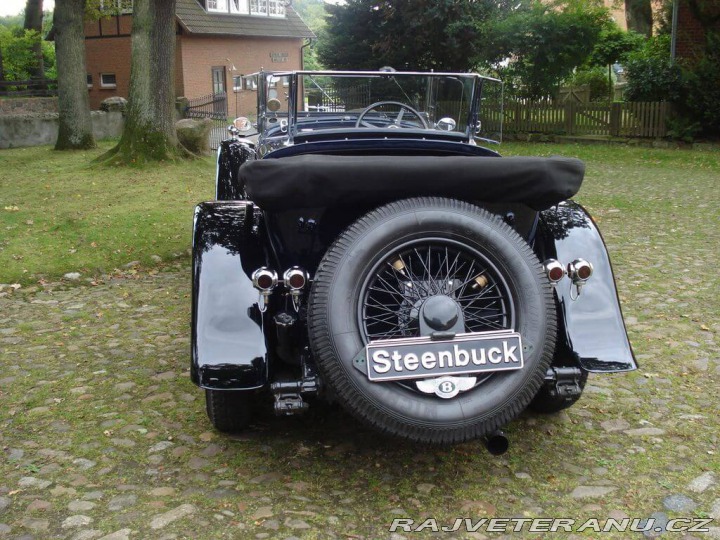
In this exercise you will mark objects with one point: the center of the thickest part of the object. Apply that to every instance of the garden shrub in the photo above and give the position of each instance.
(596, 78)
(652, 75)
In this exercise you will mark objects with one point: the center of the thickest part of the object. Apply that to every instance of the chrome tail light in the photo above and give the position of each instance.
(295, 280)
(264, 280)
(554, 270)
(580, 270)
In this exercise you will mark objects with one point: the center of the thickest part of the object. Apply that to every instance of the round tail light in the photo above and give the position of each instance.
(295, 278)
(580, 270)
(264, 279)
(554, 270)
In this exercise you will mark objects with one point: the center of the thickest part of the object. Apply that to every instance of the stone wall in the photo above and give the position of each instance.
(28, 105)
(42, 129)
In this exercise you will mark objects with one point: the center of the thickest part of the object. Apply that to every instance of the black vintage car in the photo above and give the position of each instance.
(369, 248)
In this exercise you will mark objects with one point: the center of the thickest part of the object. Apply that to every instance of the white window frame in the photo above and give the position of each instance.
(279, 8)
(218, 6)
(261, 8)
(242, 9)
(103, 84)
(237, 81)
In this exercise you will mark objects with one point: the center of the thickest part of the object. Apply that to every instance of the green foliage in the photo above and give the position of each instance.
(410, 34)
(12, 20)
(614, 45)
(97, 9)
(18, 56)
(313, 13)
(651, 74)
(547, 43)
(594, 77)
(17, 48)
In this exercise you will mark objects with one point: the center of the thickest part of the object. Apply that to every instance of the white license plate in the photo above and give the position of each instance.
(423, 357)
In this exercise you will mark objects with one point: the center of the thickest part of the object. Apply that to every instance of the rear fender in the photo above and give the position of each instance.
(592, 324)
(230, 155)
(228, 344)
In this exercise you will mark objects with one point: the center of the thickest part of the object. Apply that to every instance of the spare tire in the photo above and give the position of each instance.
(361, 293)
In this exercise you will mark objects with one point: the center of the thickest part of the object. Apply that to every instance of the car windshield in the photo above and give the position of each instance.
(304, 103)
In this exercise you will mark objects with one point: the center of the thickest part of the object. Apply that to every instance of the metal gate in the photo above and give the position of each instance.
(214, 107)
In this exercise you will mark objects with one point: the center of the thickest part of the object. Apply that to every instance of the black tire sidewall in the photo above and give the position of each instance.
(334, 319)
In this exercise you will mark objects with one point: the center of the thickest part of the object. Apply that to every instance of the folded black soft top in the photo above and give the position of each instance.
(311, 181)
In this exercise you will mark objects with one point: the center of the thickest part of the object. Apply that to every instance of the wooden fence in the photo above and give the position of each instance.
(33, 88)
(625, 119)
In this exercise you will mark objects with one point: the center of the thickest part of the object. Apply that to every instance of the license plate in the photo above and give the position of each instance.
(420, 358)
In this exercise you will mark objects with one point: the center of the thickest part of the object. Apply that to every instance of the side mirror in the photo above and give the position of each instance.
(242, 124)
(446, 124)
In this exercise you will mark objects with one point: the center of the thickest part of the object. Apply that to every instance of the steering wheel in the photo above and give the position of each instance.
(396, 123)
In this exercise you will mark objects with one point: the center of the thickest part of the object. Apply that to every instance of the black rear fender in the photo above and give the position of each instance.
(231, 154)
(228, 346)
(591, 327)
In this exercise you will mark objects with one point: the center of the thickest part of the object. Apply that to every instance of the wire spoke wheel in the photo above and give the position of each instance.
(396, 288)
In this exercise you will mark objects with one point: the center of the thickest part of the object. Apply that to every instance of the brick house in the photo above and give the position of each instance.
(690, 38)
(218, 43)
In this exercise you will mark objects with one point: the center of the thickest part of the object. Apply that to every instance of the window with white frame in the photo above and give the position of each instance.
(89, 80)
(258, 7)
(239, 7)
(217, 5)
(267, 8)
(237, 83)
(108, 80)
(250, 82)
(276, 8)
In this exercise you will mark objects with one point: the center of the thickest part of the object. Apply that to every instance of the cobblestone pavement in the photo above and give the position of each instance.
(103, 435)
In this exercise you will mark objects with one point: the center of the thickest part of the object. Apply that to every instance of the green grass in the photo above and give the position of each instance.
(59, 215)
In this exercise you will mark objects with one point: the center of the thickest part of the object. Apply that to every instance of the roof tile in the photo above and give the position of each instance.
(196, 20)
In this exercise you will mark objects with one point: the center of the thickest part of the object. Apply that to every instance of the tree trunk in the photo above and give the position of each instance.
(33, 21)
(639, 17)
(75, 130)
(149, 131)
(2, 70)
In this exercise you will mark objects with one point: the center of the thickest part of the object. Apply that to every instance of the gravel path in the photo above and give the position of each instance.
(103, 435)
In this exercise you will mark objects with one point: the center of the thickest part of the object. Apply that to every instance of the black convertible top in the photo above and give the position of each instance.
(314, 180)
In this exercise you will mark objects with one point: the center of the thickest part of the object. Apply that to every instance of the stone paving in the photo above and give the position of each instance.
(104, 437)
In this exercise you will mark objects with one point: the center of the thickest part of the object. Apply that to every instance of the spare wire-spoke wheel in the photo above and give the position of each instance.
(434, 268)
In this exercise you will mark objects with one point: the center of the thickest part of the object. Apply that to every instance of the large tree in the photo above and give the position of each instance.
(75, 129)
(149, 131)
(410, 34)
(33, 22)
(639, 16)
(541, 47)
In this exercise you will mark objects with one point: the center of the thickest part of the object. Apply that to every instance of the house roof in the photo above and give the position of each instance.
(193, 18)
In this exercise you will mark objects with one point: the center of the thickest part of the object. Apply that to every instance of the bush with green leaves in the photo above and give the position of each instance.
(596, 79)
(18, 57)
(652, 75)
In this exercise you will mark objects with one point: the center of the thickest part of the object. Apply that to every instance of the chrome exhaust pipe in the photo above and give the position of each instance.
(496, 443)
